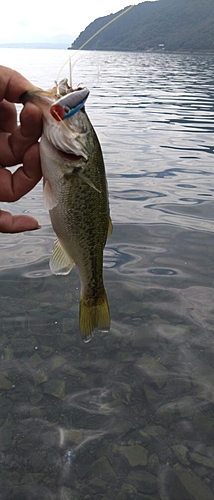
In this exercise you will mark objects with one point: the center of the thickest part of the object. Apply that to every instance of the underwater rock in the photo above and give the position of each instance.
(200, 459)
(131, 308)
(203, 421)
(101, 468)
(97, 485)
(193, 485)
(151, 395)
(46, 351)
(67, 325)
(155, 430)
(40, 377)
(70, 370)
(186, 407)
(153, 369)
(180, 452)
(124, 393)
(23, 346)
(5, 384)
(128, 492)
(136, 454)
(144, 336)
(203, 379)
(35, 359)
(55, 362)
(55, 388)
(166, 413)
(11, 478)
(74, 436)
(144, 481)
(153, 463)
(30, 477)
(67, 494)
(5, 436)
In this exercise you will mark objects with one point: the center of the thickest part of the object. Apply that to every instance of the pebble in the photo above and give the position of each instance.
(193, 485)
(101, 468)
(200, 459)
(144, 481)
(5, 384)
(55, 388)
(156, 372)
(136, 454)
(180, 452)
(166, 414)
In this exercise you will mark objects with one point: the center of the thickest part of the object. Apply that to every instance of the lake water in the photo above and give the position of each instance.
(130, 415)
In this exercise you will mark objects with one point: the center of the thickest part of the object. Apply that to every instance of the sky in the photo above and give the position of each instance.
(24, 21)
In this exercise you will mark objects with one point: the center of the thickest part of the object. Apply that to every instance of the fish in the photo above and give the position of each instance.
(76, 195)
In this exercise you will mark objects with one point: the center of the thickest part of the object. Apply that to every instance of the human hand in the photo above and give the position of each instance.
(18, 144)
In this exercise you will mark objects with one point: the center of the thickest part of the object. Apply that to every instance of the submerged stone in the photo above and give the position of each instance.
(166, 413)
(153, 369)
(35, 359)
(136, 454)
(200, 459)
(180, 452)
(128, 492)
(98, 485)
(101, 468)
(186, 407)
(193, 485)
(31, 477)
(46, 351)
(131, 308)
(5, 437)
(151, 395)
(40, 377)
(74, 436)
(68, 494)
(56, 362)
(55, 388)
(5, 384)
(155, 430)
(144, 481)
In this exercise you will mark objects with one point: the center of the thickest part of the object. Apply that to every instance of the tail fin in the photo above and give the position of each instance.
(94, 315)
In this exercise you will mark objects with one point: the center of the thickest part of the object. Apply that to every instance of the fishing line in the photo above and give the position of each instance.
(91, 38)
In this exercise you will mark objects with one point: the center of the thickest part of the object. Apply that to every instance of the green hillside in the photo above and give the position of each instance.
(186, 25)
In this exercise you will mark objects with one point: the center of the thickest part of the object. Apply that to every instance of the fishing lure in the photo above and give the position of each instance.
(69, 104)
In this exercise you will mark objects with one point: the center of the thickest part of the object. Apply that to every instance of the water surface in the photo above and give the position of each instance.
(129, 415)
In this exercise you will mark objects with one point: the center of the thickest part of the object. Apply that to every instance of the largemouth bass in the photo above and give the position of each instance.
(76, 195)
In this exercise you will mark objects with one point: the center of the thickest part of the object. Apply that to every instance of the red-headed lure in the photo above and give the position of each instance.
(69, 104)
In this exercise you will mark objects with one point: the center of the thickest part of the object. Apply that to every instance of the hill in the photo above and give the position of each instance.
(172, 25)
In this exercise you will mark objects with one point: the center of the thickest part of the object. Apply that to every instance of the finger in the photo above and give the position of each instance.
(31, 121)
(14, 186)
(8, 116)
(12, 84)
(22, 137)
(16, 223)
(13, 146)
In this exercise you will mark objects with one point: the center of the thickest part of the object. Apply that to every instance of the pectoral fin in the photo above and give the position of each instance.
(60, 263)
(87, 181)
(49, 199)
(82, 177)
